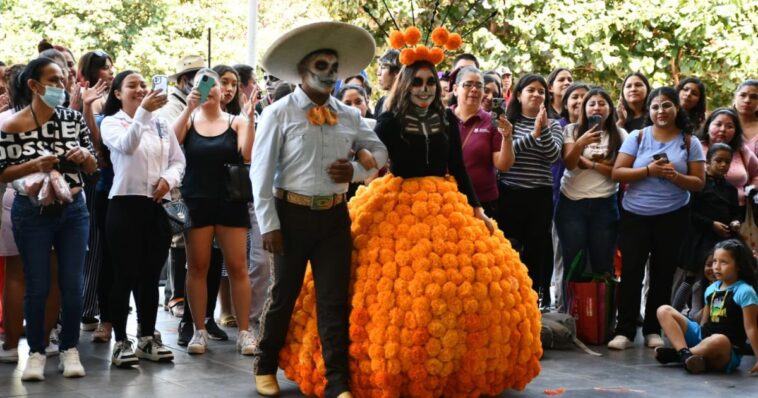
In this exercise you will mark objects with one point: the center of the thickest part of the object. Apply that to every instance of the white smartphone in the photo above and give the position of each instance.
(161, 82)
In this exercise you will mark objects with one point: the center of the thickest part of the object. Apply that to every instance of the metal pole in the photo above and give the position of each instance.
(209, 48)
(252, 32)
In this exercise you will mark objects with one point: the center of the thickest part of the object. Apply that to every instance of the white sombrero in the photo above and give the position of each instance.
(355, 48)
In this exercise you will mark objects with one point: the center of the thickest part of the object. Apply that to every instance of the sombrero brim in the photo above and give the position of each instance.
(355, 48)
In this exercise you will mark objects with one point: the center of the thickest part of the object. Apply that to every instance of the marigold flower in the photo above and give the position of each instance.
(397, 40)
(407, 56)
(440, 36)
(412, 36)
(422, 53)
(436, 55)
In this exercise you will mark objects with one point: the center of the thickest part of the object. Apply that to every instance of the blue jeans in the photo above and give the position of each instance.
(35, 236)
(589, 226)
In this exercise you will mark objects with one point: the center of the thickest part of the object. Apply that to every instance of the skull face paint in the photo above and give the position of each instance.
(423, 88)
(321, 72)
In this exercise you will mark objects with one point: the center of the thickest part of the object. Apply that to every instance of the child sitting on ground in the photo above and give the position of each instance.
(691, 295)
(730, 317)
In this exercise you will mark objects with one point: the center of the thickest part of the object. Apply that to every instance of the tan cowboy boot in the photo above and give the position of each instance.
(267, 385)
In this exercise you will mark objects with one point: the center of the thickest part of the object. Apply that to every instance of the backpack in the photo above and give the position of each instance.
(558, 332)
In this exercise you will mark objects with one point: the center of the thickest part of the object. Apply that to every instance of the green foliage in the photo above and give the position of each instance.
(599, 40)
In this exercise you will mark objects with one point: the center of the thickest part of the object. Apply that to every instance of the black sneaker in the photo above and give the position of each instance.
(214, 332)
(666, 355)
(694, 364)
(186, 329)
(89, 324)
(123, 354)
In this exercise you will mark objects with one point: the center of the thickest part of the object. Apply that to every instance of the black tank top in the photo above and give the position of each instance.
(204, 176)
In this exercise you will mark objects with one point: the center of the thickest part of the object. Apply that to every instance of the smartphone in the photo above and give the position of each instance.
(498, 109)
(160, 82)
(662, 155)
(204, 87)
(593, 121)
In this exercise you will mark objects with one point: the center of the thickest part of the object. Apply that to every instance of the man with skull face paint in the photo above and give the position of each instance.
(300, 173)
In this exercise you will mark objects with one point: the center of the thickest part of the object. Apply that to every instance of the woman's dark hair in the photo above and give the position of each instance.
(90, 64)
(564, 103)
(513, 111)
(748, 82)
(43, 45)
(719, 146)
(743, 259)
(21, 92)
(234, 107)
(610, 128)
(113, 104)
(490, 77)
(347, 87)
(697, 114)
(56, 56)
(399, 102)
(282, 90)
(551, 79)
(625, 103)
(736, 142)
(11, 75)
(682, 120)
(245, 73)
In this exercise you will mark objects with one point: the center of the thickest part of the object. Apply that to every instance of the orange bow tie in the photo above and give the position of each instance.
(318, 115)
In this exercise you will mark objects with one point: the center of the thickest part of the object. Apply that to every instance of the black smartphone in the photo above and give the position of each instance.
(662, 155)
(498, 109)
(593, 121)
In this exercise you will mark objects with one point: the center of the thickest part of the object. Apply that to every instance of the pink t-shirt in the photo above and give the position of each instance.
(740, 174)
(480, 140)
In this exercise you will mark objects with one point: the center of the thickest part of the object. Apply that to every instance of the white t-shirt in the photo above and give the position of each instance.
(586, 184)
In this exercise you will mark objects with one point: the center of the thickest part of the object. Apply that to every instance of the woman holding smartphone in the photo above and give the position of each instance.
(586, 216)
(211, 139)
(661, 163)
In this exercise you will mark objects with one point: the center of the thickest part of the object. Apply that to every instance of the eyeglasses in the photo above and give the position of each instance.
(470, 85)
(663, 106)
(418, 82)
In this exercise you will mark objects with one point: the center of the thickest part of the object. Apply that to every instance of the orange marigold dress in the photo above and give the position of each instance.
(439, 306)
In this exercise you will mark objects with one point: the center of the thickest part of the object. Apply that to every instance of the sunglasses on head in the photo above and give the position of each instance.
(101, 53)
(418, 82)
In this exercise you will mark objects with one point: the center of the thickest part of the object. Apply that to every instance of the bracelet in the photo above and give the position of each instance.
(648, 170)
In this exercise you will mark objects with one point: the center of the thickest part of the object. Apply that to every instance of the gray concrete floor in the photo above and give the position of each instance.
(221, 372)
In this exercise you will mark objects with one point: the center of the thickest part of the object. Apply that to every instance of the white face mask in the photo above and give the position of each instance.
(322, 72)
(423, 88)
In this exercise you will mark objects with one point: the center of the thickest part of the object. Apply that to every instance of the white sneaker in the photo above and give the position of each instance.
(52, 350)
(246, 343)
(9, 355)
(123, 354)
(153, 350)
(53, 344)
(35, 368)
(620, 342)
(199, 342)
(653, 340)
(70, 364)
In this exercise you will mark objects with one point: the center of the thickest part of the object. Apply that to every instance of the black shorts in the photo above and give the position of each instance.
(208, 211)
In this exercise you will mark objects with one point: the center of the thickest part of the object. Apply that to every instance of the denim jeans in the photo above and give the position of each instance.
(589, 226)
(36, 235)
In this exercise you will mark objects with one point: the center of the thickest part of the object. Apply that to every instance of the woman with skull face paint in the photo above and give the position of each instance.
(39, 137)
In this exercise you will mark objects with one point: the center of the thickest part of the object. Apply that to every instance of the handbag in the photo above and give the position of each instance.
(238, 185)
(178, 216)
(748, 228)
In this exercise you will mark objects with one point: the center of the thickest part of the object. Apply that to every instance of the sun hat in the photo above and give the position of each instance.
(354, 46)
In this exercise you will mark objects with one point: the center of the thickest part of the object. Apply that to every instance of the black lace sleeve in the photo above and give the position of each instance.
(456, 166)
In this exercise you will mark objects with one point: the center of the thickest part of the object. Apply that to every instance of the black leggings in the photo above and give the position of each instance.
(212, 283)
(138, 234)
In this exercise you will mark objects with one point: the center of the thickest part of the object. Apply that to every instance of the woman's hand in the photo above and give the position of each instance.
(193, 100)
(591, 136)
(621, 111)
(78, 155)
(45, 163)
(250, 104)
(660, 168)
(161, 189)
(154, 101)
(479, 213)
(91, 94)
(721, 229)
(541, 122)
(505, 127)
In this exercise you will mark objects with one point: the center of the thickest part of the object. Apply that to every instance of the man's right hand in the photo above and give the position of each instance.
(273, 242)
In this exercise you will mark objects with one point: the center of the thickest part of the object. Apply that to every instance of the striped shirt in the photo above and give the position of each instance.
(533, 155)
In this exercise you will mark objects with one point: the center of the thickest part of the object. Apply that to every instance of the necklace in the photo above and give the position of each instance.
(34, 115)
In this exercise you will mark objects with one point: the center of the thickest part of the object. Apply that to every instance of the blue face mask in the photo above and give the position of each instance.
(53, 96)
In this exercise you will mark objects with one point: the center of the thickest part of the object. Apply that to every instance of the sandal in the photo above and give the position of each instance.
(176, 307)
(228, 320)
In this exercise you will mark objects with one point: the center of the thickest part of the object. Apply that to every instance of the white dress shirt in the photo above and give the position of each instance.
(143, 150)
(292, 154)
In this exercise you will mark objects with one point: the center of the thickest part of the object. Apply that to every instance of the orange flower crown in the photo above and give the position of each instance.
(412, 52)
